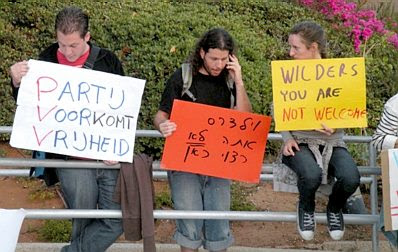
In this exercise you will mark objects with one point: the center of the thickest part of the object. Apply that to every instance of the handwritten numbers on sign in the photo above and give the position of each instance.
(247, 123)
(196, 146)
(216, 141)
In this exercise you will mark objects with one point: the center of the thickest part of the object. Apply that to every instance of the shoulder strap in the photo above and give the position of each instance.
(230, 84)
(187, 80)
(89, 64)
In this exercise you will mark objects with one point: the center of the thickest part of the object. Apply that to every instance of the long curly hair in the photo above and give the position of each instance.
(216, 38)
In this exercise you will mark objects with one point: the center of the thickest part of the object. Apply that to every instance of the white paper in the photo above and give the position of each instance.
(10, 225)
(393, 172)
(77, 112)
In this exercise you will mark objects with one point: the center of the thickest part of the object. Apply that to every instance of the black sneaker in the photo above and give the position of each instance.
(305, 224)
(335, 224)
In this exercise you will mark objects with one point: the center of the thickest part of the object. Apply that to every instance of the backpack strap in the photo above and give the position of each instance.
(230, 84)
(187, 80)
(89, 64)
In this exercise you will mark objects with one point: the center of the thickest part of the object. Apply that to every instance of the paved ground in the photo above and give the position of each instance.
(43, 247)
(349, 246)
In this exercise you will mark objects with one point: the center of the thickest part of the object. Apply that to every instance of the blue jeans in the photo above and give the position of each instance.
(309, 176)
(91, 189)
(196, 192)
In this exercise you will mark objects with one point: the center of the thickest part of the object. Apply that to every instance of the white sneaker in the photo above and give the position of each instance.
(305, 224)
(335, 224)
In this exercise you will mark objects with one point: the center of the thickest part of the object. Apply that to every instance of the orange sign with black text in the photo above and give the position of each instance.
(216, 142)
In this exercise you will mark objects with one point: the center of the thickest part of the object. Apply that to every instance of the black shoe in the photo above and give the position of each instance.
(305, 224)
(335, 224)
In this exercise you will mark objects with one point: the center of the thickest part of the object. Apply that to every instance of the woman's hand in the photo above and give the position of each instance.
(289, 146)
(326, 130)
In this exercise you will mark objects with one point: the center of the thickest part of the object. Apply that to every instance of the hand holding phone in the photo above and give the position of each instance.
(234, 69)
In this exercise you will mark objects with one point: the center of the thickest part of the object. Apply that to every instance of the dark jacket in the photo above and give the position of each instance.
(106, 62)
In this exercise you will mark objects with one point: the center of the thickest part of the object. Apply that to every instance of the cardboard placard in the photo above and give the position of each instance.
(307, 93)
(389, 166)
(216, 141)
(77, 112)
(10, 226)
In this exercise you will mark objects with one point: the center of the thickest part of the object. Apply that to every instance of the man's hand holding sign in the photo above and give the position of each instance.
(77, 112)
(215, 141)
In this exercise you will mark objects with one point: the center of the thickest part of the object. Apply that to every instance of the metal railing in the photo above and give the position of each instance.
(358, 219)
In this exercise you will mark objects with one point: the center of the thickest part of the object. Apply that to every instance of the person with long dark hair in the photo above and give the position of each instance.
(213, 63)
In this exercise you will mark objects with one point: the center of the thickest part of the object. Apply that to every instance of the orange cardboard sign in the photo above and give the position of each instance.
(216, 141)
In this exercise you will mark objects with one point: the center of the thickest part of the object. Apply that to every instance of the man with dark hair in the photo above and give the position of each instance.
(213, 64)
(82, 188)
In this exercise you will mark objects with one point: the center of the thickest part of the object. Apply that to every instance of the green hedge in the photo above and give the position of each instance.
(152, 38)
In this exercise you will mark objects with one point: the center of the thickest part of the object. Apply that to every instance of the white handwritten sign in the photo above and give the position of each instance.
(389, 165)
(10, 225)
(77, 112)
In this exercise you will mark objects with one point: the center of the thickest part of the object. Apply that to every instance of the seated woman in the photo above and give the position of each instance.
(316, 154)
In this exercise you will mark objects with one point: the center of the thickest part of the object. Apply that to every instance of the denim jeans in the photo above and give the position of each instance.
(196, 192)
(90, 189)
(309, 176)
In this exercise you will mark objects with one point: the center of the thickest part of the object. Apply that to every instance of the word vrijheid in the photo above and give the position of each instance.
(82, 141)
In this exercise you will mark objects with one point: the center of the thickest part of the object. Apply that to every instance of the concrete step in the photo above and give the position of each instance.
(352, 246)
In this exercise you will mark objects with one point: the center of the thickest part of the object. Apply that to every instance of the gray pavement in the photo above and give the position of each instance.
(135, 247)
(349, 246)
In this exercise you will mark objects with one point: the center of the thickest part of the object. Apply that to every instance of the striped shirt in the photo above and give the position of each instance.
(386, 134)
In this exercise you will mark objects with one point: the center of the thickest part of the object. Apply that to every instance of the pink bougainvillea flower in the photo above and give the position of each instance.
(361, 24)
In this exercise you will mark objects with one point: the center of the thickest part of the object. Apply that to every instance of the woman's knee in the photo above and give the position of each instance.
(351, 179)
(311, 184)
(350, 184)
(311, 179)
